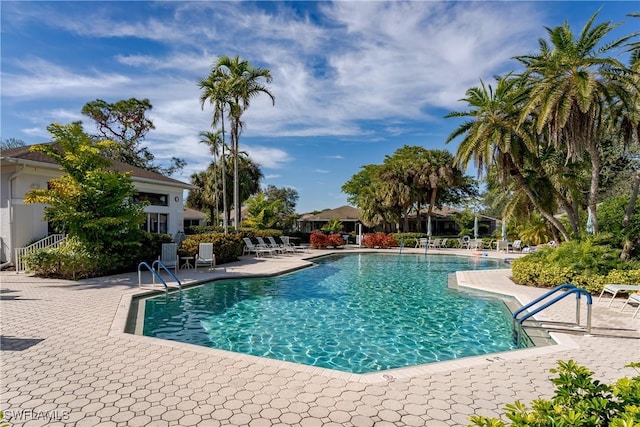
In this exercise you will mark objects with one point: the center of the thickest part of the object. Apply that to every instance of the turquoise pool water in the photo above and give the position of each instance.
(357, 313)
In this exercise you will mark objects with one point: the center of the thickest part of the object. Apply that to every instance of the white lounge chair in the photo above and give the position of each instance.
(205, 256)
(614, 289)
(286, 240)
(266, 245)
(169, 256)
(274, 244)
(633, 298)
(434, 243)
(256, 249)
(517, 245)
(422, 242)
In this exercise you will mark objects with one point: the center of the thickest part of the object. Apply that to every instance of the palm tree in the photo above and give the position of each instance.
(240, 82)
(573, 90)
(215, 91)
(214, 141)
(492, 139)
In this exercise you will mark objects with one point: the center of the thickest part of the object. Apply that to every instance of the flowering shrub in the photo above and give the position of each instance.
(319, 240)
(379, 240)
(336, 240)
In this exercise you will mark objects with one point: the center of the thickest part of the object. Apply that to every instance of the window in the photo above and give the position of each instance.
(156, 223)
(153, 199)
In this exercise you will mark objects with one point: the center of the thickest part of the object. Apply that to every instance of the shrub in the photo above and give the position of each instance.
(579, 400)
(336, 240)
(319, 240)
(409, 239)
(71, 260)
(227, 248)
(379, 240)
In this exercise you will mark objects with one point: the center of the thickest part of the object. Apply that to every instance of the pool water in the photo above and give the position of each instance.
(358, 313)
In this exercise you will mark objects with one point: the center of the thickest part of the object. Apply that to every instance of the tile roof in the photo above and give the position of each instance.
(25, 153)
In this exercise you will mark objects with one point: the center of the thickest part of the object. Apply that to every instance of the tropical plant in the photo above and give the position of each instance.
(333, 226)
(579, 400)
(231, 84)
(577, 86)
(216, 146)
(262, 213)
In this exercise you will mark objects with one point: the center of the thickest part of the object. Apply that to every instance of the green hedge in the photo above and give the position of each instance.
(226, 247)
(583, 264)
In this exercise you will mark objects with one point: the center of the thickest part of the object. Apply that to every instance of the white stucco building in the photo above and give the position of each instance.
(22, 170)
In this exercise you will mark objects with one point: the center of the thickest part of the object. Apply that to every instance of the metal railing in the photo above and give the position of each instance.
(569, 290)
(52, 241)
(156, 274)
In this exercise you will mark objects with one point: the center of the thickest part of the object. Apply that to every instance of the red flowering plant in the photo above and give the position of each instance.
(319, 240)
(379, 240)
(336, 240)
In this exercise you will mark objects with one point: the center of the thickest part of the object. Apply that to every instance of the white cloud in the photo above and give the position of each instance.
(267, 157)
(322, 171)
(272, 176)
(337, 157)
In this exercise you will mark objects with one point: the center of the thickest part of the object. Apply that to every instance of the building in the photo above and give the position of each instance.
(192, 217)
(22, 170)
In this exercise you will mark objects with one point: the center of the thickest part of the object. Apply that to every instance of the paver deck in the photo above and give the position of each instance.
(65, 360)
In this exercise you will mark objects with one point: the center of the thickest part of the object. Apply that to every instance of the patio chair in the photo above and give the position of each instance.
(517, 245)
(274, 244)
(266, 245)
(205, 256)
(286, 241)
(169, 256)
(435, 244)
(614, 289)
(476, 244)
(633, 298)
(422, 242)
(250, 248)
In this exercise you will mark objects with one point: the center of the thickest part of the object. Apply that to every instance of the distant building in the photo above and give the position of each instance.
(192, 217)
(23, 170)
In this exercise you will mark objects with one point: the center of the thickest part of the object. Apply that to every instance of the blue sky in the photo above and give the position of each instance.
(353, 80)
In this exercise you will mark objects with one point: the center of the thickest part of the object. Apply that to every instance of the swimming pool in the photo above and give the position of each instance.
(357, 313)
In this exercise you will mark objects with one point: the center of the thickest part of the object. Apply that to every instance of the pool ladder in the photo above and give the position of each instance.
(569, 290)
(156, 274)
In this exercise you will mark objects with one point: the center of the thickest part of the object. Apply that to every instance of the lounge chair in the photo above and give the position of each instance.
(422, 243)
(283, 247)
(517, 245)
(266, 245)
(205, 256)
(633, 298)
(434, 244)
(476, 244)
(286, 240)
(614, 289)
(169, 256)
(256, 249)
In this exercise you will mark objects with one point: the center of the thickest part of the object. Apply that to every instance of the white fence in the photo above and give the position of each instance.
(51, 241)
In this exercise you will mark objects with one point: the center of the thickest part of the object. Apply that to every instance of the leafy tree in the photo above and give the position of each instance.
(577, 87)
(262, 213)
(289, 197)
(126, 123)
(231, 85)
(7, 143)
(90, 202)
(333, 226)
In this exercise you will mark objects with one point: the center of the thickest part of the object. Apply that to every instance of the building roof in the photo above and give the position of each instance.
(343, 213)
(193, 214)
(25, 155)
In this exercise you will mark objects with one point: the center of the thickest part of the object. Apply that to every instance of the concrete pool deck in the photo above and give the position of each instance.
(65, 360)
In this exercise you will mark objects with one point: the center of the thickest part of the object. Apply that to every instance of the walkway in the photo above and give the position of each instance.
(64, 357)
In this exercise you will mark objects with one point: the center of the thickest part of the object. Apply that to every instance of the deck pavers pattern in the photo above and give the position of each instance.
(64, 355)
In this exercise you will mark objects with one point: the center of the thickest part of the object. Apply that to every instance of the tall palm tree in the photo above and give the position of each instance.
(574, 85)
(492, 139)
(214, 89)
(241, 82)
(214, 141)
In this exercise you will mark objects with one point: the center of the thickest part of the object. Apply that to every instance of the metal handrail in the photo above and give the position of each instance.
(571, 290)
(153, 273)
(164, 267)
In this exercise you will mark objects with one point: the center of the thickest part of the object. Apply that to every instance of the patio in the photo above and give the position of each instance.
(66, 361)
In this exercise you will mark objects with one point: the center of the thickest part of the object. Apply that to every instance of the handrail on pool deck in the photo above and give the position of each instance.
(570, 289)
(156, 275)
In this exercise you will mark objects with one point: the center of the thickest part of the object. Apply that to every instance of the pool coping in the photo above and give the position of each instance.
(121, 319)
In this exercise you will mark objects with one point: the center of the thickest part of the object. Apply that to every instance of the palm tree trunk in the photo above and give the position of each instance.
(225, 208)
(593, 188)
(236, 180)
(632, 201)
(547, 215)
